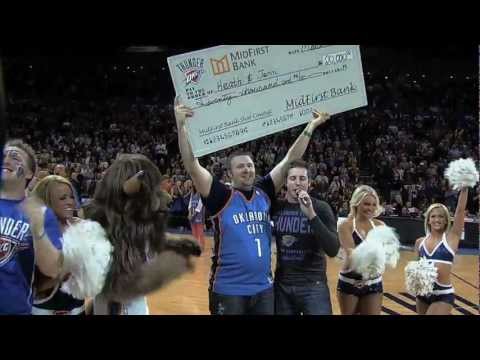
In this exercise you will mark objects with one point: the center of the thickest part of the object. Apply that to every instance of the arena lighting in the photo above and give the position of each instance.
(146, 49)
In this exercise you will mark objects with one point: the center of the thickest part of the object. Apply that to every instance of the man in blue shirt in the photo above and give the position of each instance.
(29, 232)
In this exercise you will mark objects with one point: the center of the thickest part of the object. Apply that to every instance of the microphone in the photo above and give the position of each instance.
(303, 200)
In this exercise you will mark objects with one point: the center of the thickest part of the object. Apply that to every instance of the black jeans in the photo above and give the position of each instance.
(258, 304)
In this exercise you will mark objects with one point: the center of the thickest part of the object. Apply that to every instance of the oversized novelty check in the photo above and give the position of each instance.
(242, 92)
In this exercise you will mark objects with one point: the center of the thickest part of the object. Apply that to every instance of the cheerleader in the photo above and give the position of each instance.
(439, 246)
(57, 193)
(357, 295)
(429, 278)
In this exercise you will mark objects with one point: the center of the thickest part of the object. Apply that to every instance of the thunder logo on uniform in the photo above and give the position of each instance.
(12, 238)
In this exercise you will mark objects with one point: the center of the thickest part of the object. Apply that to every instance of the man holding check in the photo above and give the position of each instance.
(241, 279)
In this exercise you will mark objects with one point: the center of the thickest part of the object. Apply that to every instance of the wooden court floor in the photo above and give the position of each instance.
(189, 294)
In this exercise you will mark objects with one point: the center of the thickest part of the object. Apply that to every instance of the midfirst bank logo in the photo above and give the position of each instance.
(192, 69)
(220, 66)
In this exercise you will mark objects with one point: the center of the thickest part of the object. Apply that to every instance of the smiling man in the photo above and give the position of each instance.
(241, 279)
(305, 230)
(23, 223)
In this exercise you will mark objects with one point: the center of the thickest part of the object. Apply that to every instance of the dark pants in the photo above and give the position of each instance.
(306, 299)
(258, 304)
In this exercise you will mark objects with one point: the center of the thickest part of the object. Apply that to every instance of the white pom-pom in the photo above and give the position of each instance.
(389, 239)
(368, 259)
(379, 249)
(87, 258)
(420, 277)
(462, 173)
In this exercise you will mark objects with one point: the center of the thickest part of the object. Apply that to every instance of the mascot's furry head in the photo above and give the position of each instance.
(131, 208)
(131, 190)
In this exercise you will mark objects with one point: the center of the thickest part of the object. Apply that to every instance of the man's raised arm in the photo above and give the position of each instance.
(202, 179)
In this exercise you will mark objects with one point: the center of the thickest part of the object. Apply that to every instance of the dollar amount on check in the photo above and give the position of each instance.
(244, 92)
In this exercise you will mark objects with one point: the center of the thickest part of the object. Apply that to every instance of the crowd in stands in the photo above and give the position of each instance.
(400, 144)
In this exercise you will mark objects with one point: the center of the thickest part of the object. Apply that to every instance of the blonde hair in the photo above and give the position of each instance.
(44, 188)
(427, 215)
(359, 194)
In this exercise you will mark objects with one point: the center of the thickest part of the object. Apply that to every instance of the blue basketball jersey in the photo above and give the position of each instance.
(17, 258)
(242, 257)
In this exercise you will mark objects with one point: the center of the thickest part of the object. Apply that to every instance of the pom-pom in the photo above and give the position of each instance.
(368, 259)
(87, 258)
(389, 239)
(462, 173)
(420, 277)
(379, 249)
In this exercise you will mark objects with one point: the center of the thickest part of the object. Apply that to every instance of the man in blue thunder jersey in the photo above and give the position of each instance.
(24, 222)
(241, 281)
